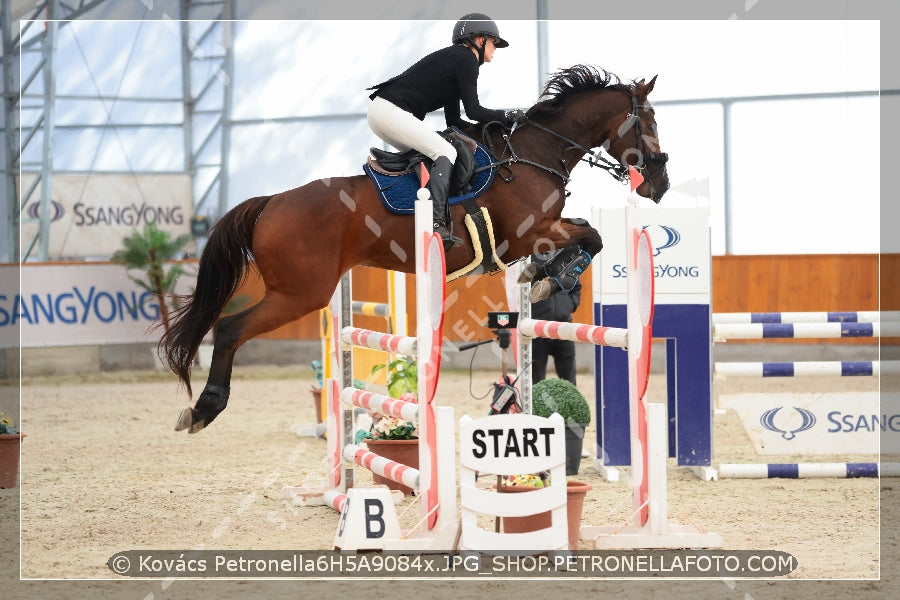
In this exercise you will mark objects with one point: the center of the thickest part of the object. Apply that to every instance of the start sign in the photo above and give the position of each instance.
(497, 442)
(512, 444)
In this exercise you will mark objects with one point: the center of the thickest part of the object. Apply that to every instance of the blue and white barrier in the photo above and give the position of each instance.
(861, 316)
(809, 470)
(683, 317)
(762, 331)
(862, 368)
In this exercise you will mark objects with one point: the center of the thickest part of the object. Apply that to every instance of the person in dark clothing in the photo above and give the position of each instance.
(442, 79)
(558, 307)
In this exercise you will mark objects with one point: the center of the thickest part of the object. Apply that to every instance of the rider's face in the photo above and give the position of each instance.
(489, 50)
(488, 47)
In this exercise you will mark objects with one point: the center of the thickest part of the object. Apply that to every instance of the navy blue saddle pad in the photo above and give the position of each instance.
(398, 192)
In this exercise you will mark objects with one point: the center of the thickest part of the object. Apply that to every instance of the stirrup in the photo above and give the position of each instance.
(450, 241)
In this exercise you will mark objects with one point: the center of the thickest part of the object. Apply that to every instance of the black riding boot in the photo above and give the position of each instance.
(439, 186)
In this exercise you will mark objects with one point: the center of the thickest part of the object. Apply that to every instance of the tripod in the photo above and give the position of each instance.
(504, 399)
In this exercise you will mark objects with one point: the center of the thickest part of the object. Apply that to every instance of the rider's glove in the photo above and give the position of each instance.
(511, 117)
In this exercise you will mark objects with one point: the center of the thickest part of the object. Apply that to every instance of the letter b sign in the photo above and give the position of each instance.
(374, 512)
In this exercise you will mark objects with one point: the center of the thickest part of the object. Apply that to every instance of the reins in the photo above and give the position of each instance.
(593, 158)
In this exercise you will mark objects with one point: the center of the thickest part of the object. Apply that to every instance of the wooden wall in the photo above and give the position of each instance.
(820, 282)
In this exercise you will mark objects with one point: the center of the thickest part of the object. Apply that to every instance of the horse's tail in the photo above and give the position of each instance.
(223, 268)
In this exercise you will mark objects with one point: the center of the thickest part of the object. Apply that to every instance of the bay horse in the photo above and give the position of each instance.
(304, 239)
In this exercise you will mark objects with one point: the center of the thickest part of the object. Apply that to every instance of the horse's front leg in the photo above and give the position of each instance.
(561, 270)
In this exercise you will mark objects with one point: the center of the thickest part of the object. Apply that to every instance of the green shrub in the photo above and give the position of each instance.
(558, 395)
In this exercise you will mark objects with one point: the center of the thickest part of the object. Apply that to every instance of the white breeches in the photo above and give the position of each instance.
(404, 131)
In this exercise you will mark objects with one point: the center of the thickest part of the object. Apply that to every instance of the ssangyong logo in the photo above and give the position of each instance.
(669, 234)
(56, 210)
(664, 237)
(767, 420)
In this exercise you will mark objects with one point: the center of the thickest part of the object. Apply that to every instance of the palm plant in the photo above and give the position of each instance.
(148, 251)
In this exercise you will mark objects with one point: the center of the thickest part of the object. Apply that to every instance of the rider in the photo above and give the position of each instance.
(440, 80)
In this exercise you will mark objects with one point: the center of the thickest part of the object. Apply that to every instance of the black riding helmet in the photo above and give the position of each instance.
(475, 24)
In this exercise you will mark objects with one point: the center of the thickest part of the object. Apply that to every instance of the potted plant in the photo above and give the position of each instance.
(393, 438)
(561, 396)
(402, 376)
(575, 494)
(513, 484)
(148, 251)
(10, 440)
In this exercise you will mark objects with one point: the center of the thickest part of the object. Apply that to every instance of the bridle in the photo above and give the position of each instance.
(593, 158)
(653, 158)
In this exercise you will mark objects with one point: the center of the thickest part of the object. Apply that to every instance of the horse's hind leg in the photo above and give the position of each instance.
(273, 311)
(214, 397)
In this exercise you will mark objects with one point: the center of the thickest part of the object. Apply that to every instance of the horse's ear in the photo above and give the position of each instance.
(650, 85)
(640, 83)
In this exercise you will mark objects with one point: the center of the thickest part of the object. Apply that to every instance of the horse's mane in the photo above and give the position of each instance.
(576, 79)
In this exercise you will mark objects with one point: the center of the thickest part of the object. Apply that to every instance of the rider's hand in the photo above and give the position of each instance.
(511, 117)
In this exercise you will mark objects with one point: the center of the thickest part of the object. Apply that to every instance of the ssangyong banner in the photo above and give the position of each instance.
(90, 214)
(816, 424)
(681, 253)
(77, 304)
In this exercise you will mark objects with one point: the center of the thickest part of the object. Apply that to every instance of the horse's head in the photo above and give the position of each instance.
(636, 143)
(585, 107)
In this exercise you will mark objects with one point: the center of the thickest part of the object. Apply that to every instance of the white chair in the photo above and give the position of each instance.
(513, 445)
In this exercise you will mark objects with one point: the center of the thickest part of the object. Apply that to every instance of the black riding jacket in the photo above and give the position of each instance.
(441, 79)
(559, 306)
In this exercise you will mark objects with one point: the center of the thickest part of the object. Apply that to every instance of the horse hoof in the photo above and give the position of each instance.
(185, 420)
(540, 290)
(198, 426)
(528, 273)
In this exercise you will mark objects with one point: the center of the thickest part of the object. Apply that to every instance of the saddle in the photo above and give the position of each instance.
(396, 176)
(395, 163)
(396, 179)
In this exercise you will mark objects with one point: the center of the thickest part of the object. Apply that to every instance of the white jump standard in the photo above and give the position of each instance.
(648, 526)
(435, 479)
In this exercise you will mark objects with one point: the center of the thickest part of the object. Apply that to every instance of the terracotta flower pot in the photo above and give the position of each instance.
(317, 400)
(9, 459)
(402, 451)
(528, 522)
(575, 493)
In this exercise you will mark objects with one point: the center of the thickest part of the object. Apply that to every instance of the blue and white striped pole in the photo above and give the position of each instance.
(865, 368)
(761, 331)
(862, 316)
(808, 470)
